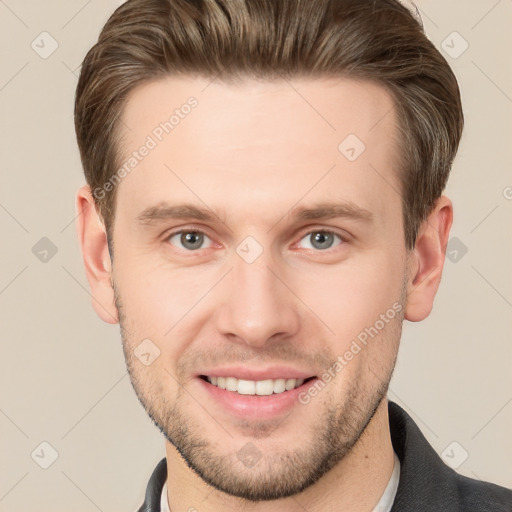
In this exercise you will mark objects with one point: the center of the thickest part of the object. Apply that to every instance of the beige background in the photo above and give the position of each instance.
(62, 374)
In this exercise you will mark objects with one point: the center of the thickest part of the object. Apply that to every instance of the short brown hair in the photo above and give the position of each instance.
(378, 40)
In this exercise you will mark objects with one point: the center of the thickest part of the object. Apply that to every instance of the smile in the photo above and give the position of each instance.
(255, 387)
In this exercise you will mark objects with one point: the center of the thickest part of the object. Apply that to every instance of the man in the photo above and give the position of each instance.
(263, 209)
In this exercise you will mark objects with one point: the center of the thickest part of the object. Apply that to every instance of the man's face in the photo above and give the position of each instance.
(259, 292)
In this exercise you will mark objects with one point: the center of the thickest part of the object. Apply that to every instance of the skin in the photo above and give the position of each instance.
(253, 153)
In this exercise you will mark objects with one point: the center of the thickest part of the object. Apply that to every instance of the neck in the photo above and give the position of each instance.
(356, 483)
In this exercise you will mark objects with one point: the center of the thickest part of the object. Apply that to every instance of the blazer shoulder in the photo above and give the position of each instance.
(480, 496)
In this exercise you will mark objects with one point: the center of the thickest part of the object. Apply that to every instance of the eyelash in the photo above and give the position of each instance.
(343, 239)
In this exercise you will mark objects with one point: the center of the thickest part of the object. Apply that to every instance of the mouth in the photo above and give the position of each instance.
(259, 394)
(256, 387)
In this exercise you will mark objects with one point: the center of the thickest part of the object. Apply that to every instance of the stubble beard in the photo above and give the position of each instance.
(276, 474)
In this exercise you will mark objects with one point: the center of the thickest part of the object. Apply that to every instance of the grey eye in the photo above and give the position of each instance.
(189, 240)
(321, 239)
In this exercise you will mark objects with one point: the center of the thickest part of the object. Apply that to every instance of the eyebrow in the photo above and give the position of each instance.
(165, 211)
(333, 210)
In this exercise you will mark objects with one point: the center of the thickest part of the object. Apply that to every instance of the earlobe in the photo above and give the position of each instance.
(93, 243)
(426, 261)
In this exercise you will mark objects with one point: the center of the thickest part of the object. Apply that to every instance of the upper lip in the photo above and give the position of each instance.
(245, 373)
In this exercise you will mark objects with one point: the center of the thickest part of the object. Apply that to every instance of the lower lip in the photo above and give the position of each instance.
(255, 406)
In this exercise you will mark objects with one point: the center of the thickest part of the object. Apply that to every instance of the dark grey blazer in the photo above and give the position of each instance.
(426, 484)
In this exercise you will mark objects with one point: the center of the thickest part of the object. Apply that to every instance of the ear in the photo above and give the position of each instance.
(93, 242)
(427, 259)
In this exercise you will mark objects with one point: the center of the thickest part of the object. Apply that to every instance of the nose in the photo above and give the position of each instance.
(258, 306)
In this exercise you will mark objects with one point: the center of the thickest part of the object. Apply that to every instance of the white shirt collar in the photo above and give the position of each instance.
(164, 504)
(384, 505)
(386, 501)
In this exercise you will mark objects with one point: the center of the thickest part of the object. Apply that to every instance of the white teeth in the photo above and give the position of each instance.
(279, 385)
(265, 387)
(251, 387)
(231, 384)
(290, 384)
(246, 387)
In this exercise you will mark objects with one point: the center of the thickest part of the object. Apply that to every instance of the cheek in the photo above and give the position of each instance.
(351, 296)
(152, 296)
(362, 306)
(162, 305)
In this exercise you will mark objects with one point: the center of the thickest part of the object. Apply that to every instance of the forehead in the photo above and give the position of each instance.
(258, 143)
